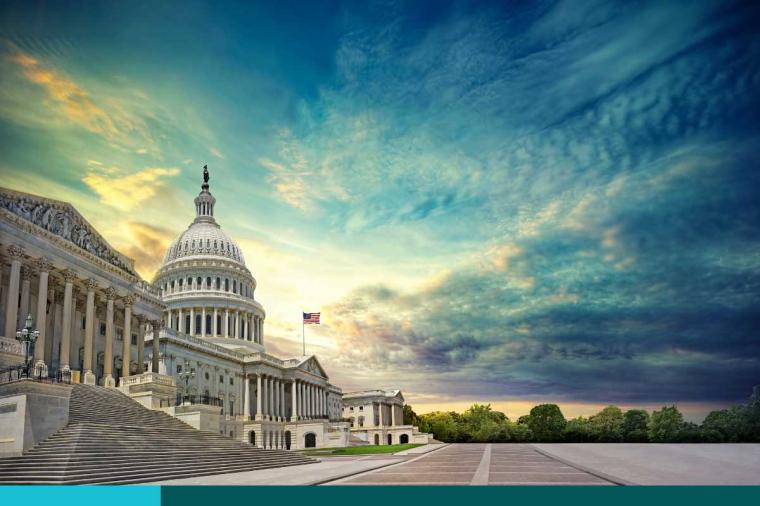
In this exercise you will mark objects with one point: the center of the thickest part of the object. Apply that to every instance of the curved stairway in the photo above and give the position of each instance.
(113, 439)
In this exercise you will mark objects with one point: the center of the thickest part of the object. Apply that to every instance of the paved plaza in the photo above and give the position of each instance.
(478, 464)
(520, 464)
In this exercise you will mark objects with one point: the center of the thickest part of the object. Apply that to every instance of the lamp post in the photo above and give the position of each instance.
(27, 337)
(187, 374)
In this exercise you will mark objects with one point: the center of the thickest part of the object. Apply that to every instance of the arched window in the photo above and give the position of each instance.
(234, 286)
(208, 282)
(198, 283)
(189, 283)
(226, 285)
(180, 283)
(218, 283)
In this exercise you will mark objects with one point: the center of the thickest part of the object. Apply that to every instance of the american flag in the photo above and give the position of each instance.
(311, 318)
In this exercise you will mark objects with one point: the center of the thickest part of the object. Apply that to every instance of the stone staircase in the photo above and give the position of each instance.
(112, 439)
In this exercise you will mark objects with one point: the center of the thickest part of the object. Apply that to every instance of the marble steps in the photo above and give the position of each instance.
(111, 438)
(120, 475)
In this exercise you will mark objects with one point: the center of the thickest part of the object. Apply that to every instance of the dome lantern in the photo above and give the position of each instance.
(204, 202)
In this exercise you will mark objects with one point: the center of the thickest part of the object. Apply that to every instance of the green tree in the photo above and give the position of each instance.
(410, 417)
(635, 426)
(480, 424)
(577, 431)
(441, 424)
(751, 418)
(665, 425)
(519, 432)
(547, 423)
(724, 426)
(607, 425)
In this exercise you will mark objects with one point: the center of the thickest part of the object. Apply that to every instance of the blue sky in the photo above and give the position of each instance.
(506, 203)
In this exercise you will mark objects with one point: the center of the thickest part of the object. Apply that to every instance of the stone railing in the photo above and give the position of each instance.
(176, 337)
(149, 377)
(11, 346)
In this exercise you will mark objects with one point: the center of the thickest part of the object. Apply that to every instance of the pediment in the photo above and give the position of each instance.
(312, 366)
(63, 220)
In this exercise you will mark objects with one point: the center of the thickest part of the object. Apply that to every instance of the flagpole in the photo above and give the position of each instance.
(303, 334)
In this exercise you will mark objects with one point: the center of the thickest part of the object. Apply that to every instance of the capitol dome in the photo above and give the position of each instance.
(206, 285)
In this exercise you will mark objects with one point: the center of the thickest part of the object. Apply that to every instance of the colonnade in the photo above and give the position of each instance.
(308, 400)
(52, 322)
(216, 322)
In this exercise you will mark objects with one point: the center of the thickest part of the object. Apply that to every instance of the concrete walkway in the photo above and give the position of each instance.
(310, 474)
(664, 464)
(477, 464)
(419, 450)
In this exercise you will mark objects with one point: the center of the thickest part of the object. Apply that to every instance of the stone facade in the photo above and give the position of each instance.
(191, 343)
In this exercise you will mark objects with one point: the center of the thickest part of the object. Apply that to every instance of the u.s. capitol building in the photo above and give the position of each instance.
(191, 344)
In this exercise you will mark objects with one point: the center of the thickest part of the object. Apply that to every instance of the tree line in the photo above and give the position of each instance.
(546, 423)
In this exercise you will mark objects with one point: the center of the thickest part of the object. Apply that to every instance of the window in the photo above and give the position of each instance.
(134, 339)
(234, 286)
(179, 369)
(119, 335)
(207, 380)
(351, 408)
(199, 281)
(208, 282)
(226, 285)
(221, 379)
(102, 329)
(361, 408)
(218, 283)
(231, 381)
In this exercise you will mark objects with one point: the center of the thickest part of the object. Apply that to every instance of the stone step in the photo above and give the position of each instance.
(111, 438)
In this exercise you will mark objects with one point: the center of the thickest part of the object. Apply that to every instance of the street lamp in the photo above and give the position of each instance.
(187, 374)
(27, 337)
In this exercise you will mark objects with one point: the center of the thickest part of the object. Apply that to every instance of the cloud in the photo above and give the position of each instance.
(127, 191)
(146, 244)
(68, 98)
(216, 153)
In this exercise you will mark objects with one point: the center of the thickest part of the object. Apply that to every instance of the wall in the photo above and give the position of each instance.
(29, 413)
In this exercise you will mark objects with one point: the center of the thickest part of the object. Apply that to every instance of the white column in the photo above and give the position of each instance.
(140, 343)
(11, 303)
(180, 321)
(258, 397)
(265, 397)
(108, 356)
(247, 399)
(43, 266)
(283, 411)
(261, 330)
(226, 323)
(272, 399)
(214, 330)
(191, 330)
(393, 414)
(126, 349)
(23, 311)
(68, 292)
(276, 394)
(237, 324)
(156, 345)
(294, 401)
(203, 322)
(89, 320)
(380, 408)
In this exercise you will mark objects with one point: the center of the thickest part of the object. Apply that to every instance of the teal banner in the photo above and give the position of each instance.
(460, 495)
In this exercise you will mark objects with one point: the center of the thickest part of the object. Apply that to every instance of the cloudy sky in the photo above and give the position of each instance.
(549, 201)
